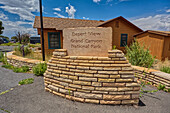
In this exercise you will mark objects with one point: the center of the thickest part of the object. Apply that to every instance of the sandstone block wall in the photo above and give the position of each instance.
(20, 61)
(100, 80)
(155, 77)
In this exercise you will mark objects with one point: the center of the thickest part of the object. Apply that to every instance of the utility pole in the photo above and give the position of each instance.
(42, 33)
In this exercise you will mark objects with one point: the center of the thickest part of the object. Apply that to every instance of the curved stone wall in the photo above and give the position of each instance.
(100, 80)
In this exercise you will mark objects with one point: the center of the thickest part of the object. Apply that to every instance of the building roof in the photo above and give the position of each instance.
(120, 17)
(164, 33)
(61, 23)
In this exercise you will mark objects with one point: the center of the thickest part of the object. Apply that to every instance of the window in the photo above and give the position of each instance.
(123, 42)
(54, 40)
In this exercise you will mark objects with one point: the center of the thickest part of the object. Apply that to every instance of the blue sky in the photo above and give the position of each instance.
(18, 15)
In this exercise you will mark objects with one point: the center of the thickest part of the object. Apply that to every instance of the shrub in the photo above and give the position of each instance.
(39, 69)
(161, 87)
(19, 51)
(165, 69)
(22, 69)
(8, 66)
(1, 56)
(26, 81)
(138, 55)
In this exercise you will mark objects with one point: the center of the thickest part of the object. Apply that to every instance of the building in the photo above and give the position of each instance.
(34, 40)
(157, 41)
(123, 30)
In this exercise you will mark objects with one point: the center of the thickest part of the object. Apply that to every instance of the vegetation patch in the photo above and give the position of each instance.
(26, 81)
(5, 110)
(165, 69)
(22, 69)
(39, 69)
(138, 55)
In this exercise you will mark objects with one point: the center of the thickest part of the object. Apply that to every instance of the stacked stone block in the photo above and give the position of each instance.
(100, 80)
(155, 78)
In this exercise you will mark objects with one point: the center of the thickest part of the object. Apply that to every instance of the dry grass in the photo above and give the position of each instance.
(35, 55)
(158, 64)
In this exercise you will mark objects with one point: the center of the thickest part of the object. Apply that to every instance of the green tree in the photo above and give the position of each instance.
(15, 38)
(4, 37)
(1, 27)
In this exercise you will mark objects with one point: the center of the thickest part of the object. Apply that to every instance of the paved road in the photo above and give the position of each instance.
(33, 99)
(6, 48)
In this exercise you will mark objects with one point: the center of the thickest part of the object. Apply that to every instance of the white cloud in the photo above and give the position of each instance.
(12, 26)
(96, 1)
(3, 16)
(168, 10)
(85, 18)
(57, 9)
(157, 22)
(23, 8)
(71, 11)
(59, 15)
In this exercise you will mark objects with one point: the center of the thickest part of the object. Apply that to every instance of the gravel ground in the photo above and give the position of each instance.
(33, 99)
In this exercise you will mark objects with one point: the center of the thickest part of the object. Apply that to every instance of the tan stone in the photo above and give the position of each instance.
(61, 65)
(106, 80)
(54, 74)
(65, 91)
(75, 86)
(63, 76)
(57, 85)
(85, 64)
(80, 61)
(127, 68)
(84, 74)
(102, 65)
(68, 73)
(88, 87)
(108, 72)
(108, 62)
(77, 70)
(120, 65)
(96, 68)
(53, 87)
(86, 57)
(73, 77)
(115, 59)
(64, 63)
(47, 89)
(88, 79)
(109, 102)
(92, 101)
(95, 61)
(57, 71)
(126, 72)
(121, 62)
(125, 88)
(124, 80)
(73, 63)
(96, 84)
(82, 90)
(59, 94)
(112, 68)
(63, 79)
(127, 76)
(132, 84)
(135, 96)
(104, 58)
(71, 67)
(116, 93)
(63, 84)
(75, 98)
(64, 69)
(83, 67)
(106, 88)
(114, 76)
(113, 84)
(88, 95)
(100, 92)
(82, 82)
(90, 71)
(101, 75)
(130, 101)
(116, 97)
